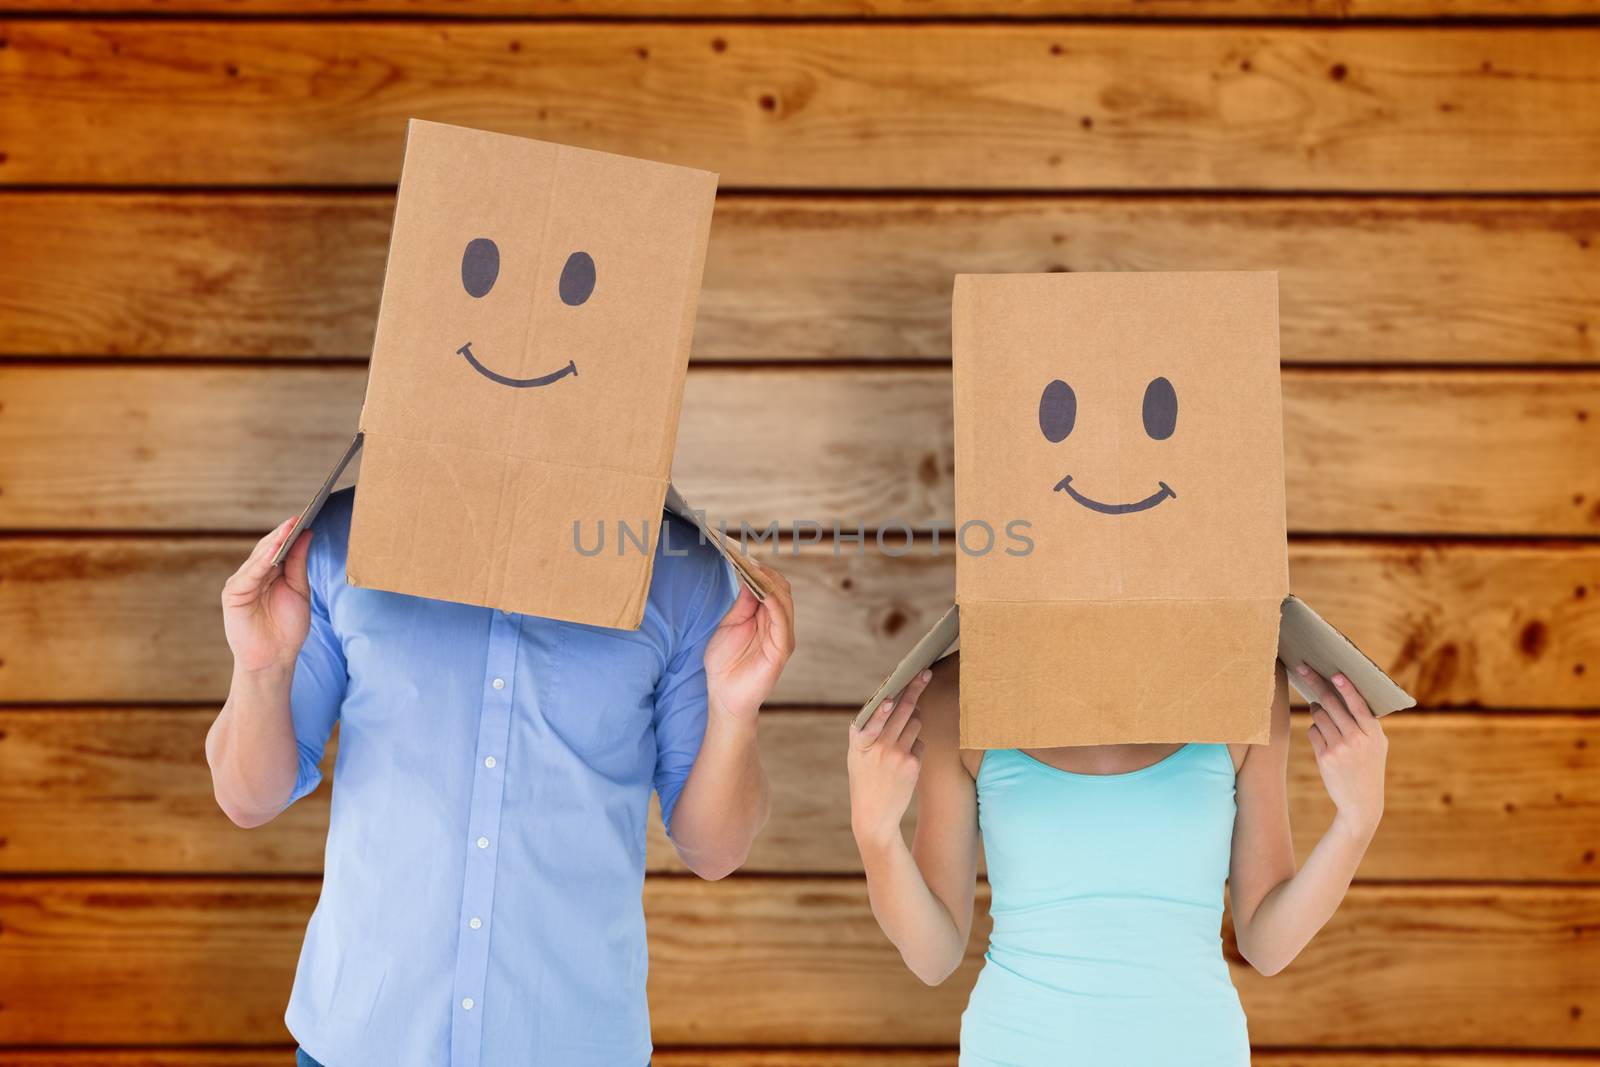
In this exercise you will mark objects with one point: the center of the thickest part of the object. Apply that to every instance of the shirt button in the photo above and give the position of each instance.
(475, 922)
(499, 683)
(488, 761)
(483, 842)
(466, 1002)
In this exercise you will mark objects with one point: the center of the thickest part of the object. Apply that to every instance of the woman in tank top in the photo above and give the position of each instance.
(1107, 866)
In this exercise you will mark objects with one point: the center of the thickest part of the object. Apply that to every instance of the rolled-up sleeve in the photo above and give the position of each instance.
(680, 711)
(319, 677)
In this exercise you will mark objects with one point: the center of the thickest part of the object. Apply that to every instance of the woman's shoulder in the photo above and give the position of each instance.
(941, 711)
(940, 705)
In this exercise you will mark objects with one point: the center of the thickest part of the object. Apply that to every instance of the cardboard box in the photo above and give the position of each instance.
(1132, 425)
(527, 375)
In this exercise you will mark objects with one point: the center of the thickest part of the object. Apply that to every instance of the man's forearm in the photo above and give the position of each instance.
(726, 800)
(251, 747)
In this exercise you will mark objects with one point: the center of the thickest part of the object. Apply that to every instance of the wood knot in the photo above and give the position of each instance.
(1535, 639)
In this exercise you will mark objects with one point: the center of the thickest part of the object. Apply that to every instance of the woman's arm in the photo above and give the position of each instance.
(1277, 911)
(921, 896)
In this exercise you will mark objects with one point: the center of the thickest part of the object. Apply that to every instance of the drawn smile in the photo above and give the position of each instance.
(516, 383)
(1117, 509)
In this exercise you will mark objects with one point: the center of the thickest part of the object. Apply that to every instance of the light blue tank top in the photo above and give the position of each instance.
(1107, 895)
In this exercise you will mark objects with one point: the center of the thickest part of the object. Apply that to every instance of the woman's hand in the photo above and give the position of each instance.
(750, 647)
(884, 760)
(266, 613)
(1350, 748)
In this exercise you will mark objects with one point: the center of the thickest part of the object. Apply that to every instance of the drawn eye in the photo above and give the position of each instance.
(1160, 409)
(480, 266)
(577, 279)
(1058, 410)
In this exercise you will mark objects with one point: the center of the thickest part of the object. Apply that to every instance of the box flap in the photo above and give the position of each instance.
(676, 505)
(308, 514)
(934, 645)
(1305, 637)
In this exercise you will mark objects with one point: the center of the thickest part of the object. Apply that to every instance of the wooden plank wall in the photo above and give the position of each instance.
(194, 207)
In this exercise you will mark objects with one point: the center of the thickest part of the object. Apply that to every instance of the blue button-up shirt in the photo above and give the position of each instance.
(481, 889)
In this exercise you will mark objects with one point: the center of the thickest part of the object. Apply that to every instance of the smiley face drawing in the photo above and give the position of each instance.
(480, 269)
(1133, 420)
(537, 313)
(1058, 414)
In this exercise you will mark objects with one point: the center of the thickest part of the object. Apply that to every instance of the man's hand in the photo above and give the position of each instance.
(749, 649)
(725, 802)
(266, 614)
(251, 746)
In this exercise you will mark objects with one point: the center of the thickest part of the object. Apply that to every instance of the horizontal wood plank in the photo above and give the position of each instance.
(1471, 797)
(297, 275)
(1367, 452)
(791, 1057)
(754, 961)
(87, 790)
(166, 1057)
(97, 620)
(849, 9)
(704, 1057)
(1018, 106)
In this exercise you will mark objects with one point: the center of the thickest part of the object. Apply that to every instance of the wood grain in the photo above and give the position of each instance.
(297, 275)
(1471, 797)
(815, 1057)
(240, 448)
(116, 619)
(862, 9)
(1018, 106)
(128, 790)
(112, 274)
(867, 164)
(756, 961)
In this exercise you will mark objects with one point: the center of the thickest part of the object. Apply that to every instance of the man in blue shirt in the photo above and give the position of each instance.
(485, 859)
